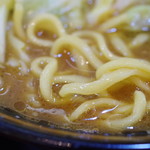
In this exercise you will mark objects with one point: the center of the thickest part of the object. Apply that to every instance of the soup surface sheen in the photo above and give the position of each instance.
(81, 65)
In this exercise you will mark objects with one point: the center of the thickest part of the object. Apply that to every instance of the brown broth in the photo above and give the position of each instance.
(14, 90)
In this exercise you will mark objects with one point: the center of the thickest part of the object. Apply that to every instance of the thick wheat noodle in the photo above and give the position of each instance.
(46, 80)
(85, 106)
(45, 22)
(130, 63)
(75, 43)
(137, 113)
(100, 41)
(37, 70)
(97, 86)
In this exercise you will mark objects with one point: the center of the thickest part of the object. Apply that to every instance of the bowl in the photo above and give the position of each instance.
(16, 127)
(34, 134)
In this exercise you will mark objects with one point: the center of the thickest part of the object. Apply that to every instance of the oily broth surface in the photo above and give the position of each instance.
(16, 87)
(14, 91)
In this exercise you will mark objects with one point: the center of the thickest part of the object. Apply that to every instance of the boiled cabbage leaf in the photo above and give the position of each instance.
(139, 18)
(71, 9)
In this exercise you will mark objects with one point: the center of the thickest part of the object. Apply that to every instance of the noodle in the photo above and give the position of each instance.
(45, 22)
(18, 47)
(136, 115)
(120, 46)
(71, 78)
(35, 65)
(129, 17)
(130, 63)
(90, 104)
(46, 79)
(139, 40)
(3, 16)
(103, 83)
(100, 11)
(78, 44)
(18, 18)
(100, 42)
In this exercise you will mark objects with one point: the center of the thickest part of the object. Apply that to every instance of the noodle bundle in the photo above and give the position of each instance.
(88, 59)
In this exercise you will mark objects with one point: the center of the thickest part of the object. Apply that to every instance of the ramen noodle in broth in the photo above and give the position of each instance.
(78, 64)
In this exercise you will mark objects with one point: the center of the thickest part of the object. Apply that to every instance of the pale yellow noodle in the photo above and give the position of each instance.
(140, 83)
(18, 20)
(45, 22)
(139, 40)
(35, 65)
(86, 106)
(130, 63)
(113, 22)
(136, 115)
(133, 19)
(81, 62)
(8, 3)
(33, 101)
(18, 47)
(99, 85)
(148, 105)
(121, 5)
(100, 41)
(127, 109)
(37, 69)
(71, 79)
(46, 80)
(124, 109)
(3, 19)
(75, 43)
(101, 10)
(120, 45)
